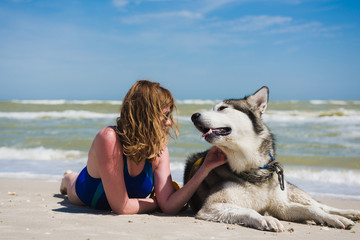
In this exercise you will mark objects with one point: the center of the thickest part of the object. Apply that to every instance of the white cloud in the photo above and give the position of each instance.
(257, 23)
(308, 27)
(202, 8)
(162, 15)
(212, 5)
(120, 3)
(314, 28)
(20, 1)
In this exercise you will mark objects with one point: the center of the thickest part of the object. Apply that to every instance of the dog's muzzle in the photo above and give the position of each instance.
(208, 131)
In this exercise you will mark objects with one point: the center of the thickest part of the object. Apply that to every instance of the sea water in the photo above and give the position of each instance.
(318, 142)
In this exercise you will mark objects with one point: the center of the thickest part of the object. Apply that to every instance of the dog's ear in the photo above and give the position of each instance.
(259, 100)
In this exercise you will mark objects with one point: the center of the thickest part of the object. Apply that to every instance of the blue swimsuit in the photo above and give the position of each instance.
(91, 191)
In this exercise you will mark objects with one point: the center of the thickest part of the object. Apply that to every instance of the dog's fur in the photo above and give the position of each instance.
(241, 193)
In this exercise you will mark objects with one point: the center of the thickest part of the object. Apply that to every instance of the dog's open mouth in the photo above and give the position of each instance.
(216, 131)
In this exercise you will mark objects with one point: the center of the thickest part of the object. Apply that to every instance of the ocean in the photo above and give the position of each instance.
(318, 142)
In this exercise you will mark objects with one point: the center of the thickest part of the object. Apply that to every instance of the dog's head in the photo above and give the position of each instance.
(233, 121)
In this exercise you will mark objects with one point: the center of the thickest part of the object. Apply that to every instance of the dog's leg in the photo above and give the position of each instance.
(348, 213)
(230, 213)
(300, 197)
(300, 213)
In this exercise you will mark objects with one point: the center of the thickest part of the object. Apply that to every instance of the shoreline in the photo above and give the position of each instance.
(323, 183)
(32, 209)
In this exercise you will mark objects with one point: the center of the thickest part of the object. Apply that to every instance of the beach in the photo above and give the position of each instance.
(318, 143)
(32, 209)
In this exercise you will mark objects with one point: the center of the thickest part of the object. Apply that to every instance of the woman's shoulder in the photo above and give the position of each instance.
(107, 136)
(107, 133)
(104, 151)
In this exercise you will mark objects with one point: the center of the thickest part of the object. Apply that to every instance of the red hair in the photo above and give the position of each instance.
(141, 122)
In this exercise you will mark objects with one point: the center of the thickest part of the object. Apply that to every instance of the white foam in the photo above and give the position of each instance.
(333, 116)
(29, 175)
(40, 154)
(185, 101)
(68, 114)
(322, 183)
(89, 102)
(177, 166)
(345, 176)
(197, 101)
(333, 102)
(341, 176)
(41, 102)
(337, 102)
(63, 101)
(320, 196)
(318, 102)
(336, 176)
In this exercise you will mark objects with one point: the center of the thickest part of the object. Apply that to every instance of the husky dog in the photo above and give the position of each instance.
(250, 189)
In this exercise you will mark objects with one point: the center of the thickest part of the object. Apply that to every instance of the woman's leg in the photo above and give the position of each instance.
(68, 187)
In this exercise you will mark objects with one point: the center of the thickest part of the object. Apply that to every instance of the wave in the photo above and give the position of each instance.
(333, 116)
(338, 115)
(110, 102)
(320, 196)
(68, 114)
(335, 183)
(327, 176)
(197, 102)
(333, 102)
(184, 101)
(63, 102)
(346, 177)
(30, 175)
(40, 154)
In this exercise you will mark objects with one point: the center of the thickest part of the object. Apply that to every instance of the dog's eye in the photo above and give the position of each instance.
(221, 108)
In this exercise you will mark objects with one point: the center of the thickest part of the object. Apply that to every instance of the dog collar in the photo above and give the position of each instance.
(272, 166)
(275, 166)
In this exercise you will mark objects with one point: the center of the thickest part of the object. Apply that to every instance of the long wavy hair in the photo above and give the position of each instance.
(141, 125)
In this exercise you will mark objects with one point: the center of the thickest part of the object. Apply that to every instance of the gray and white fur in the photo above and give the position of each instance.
(241, 193)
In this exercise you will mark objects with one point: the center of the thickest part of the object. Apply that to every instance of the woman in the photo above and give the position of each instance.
(126, 161)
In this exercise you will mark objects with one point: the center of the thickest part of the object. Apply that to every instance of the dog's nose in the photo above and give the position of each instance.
(195, 116)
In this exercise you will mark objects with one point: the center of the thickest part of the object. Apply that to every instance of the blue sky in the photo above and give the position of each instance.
(199, 49)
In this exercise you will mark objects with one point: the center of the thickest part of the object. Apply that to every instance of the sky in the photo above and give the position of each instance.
(198, 49)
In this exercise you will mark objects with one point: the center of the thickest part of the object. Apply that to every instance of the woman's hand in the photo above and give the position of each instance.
(214, 158)
(171, 201)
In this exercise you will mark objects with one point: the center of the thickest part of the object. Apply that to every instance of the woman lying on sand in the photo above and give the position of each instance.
(126, 161)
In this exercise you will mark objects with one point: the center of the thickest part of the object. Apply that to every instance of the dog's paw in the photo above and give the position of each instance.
(353, 215)
(338, 222)
(274, 224)
(265, 223)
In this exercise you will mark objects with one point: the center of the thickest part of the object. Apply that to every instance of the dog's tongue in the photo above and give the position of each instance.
(210, 132)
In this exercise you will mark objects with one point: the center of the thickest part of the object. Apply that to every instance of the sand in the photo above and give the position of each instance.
(35, 210)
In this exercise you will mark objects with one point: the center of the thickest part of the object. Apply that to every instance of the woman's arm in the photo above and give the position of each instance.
(108, 155)
(171, 201)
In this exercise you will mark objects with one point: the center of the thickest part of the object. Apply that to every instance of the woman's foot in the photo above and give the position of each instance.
(64, 183)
